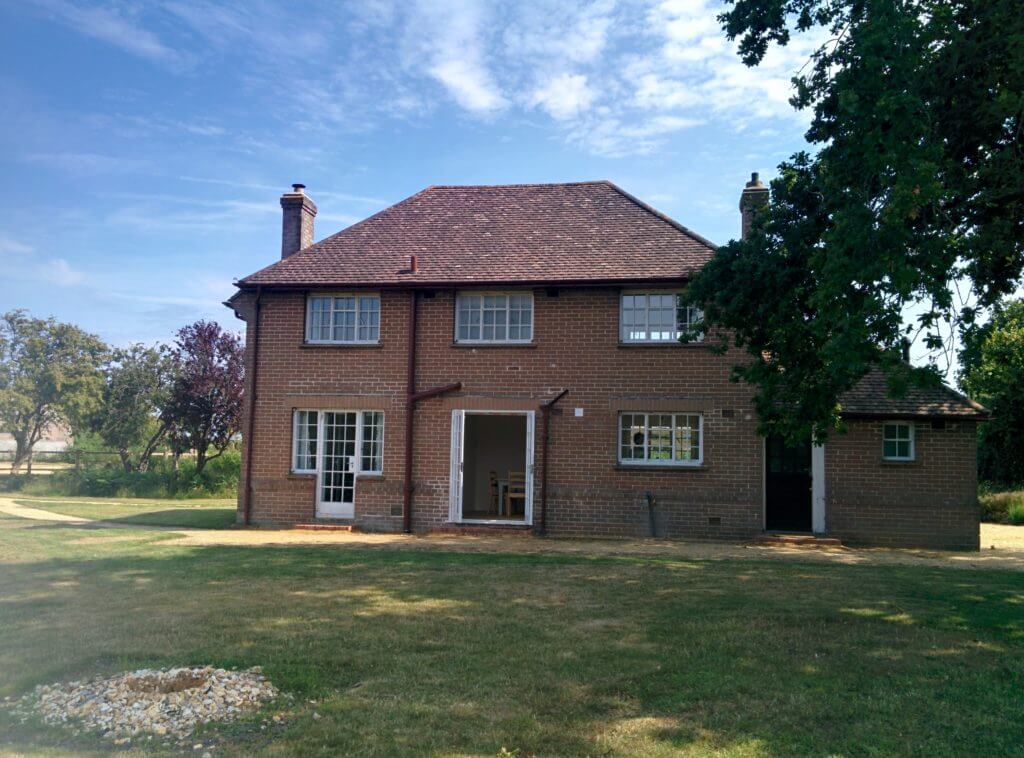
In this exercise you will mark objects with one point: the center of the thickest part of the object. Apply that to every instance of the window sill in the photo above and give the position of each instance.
(895, 462)
(655, 467)
(301, 476)
(665, 344)
(357, 345)
(489, 345)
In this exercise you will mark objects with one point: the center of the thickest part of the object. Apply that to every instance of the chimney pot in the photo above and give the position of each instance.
(298, 212)
(752, 200)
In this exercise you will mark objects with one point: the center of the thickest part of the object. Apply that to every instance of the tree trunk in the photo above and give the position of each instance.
(126, 460)
(200, 459)
(21, 452)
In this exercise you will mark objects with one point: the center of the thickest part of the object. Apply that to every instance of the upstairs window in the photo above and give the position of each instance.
(661, 439)
(898, 442)
(658, 317)
(343, 319)
(491, 317)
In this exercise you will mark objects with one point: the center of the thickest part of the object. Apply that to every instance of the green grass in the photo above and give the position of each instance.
(434, 652)
(195, 514)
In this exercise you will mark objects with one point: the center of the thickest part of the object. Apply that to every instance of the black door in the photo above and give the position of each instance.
(788, 486)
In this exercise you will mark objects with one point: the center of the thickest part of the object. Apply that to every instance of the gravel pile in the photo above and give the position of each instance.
(165, 703)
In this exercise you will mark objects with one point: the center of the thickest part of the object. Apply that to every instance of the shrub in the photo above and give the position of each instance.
(1001, 507)
(109, 479)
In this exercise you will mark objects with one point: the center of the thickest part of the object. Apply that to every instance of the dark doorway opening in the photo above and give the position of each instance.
(788, 496)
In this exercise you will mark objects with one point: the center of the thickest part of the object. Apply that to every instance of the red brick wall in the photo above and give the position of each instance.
(931, 501)
(576, 348)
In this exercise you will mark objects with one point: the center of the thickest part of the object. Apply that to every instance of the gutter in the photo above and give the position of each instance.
(545, 409)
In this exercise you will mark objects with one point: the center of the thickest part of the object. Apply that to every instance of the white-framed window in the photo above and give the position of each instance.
(305, 432)
(898, 441)
(657, 317)
(343, 319)
(661, 439)
(493, 317)
(307, 428)
(371, 451)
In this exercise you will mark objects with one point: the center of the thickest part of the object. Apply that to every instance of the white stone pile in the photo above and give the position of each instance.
(165, 703)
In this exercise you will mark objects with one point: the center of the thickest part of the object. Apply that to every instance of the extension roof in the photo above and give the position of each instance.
(576, 233)
(870, 399)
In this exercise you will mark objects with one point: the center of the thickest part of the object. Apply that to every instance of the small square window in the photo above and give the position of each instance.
(898, 442)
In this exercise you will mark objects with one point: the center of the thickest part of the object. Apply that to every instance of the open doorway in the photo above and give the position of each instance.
(493, 479)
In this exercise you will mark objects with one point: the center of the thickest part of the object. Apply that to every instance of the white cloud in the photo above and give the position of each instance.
(59, 271)
(564, 96)
(10, 246)
(113, 27)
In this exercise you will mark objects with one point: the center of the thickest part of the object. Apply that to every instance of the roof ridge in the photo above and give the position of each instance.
(587, 183)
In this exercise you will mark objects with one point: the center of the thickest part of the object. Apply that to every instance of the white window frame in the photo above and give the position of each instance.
(360, 425)
(295, 441)
(912, 447)
(494, 293)
(646, 460)
(624, 336)
(357, 296)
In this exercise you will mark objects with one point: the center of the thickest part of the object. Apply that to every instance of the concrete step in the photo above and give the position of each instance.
(805, 540)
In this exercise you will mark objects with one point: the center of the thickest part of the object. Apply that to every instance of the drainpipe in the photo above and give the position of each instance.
(410, 390)
(411, 398)
(247, 509)
(545, 410)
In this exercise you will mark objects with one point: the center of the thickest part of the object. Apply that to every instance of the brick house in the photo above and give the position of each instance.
(507, 357)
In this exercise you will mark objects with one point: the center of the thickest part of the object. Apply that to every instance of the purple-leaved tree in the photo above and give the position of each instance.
(205, 402)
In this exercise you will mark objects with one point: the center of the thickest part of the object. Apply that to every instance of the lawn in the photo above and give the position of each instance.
(435, 652)
(216, 513)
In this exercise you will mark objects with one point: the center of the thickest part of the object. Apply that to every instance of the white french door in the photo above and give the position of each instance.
(337, 464)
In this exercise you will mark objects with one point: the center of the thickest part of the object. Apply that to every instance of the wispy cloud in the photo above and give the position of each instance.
(564, 96)
(85, 162)
(10, 246)
(448, 39)
(118, 27)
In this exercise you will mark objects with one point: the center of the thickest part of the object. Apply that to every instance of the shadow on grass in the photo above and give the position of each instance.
(438, 651)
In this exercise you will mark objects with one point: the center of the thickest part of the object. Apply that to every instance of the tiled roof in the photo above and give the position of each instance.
(537, 233)
(871, 398)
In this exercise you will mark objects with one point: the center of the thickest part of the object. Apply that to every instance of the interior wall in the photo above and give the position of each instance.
(492, 442)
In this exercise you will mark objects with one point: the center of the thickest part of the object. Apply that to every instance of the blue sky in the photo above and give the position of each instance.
(143, 146)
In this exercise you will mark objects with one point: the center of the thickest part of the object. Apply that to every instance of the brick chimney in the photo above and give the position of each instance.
(297, 221)
(754, 197)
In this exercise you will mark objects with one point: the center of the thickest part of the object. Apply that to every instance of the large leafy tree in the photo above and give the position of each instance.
(906, 221)
(992, 372)
(205, 404)
(132, 418)
(49, 374)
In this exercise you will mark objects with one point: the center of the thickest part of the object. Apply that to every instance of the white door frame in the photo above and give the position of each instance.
(818, 521)
(457, 456)
(330, 509)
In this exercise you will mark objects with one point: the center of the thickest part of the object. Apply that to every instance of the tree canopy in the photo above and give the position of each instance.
(907, 220)
(992, 372)
(49, 374)
(132, 417)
